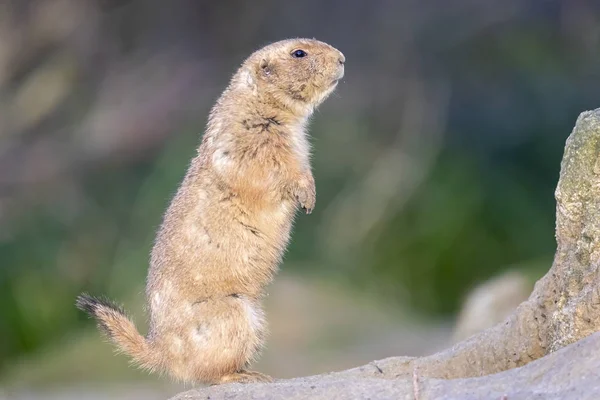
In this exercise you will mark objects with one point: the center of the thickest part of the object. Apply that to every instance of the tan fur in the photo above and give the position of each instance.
(226, 230)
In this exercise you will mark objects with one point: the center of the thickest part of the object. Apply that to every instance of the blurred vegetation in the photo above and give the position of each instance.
(435, 161)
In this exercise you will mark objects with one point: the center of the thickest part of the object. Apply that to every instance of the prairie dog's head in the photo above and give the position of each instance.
(298, 73)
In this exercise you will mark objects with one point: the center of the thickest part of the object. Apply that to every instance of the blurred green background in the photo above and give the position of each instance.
(435, 162)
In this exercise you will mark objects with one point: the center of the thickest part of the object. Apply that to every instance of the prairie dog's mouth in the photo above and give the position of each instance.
(339, 76)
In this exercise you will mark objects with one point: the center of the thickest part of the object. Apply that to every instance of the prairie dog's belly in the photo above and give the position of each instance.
(226, 242)
(244, 236)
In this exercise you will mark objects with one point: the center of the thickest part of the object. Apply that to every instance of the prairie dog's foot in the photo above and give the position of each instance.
(306, 193)
(245, 377)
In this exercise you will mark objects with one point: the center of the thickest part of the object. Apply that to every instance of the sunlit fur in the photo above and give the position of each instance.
(225, 231)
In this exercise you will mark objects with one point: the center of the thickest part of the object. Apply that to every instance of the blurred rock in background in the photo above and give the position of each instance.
(491, 303)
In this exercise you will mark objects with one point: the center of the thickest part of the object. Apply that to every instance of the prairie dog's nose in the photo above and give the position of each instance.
(341, 58)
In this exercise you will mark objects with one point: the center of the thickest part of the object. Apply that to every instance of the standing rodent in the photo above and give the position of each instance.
(226, 229)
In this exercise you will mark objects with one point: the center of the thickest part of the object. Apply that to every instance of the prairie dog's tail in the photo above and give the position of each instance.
(118, 327)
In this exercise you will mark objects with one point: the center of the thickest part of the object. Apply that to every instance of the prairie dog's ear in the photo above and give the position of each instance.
(265, 67)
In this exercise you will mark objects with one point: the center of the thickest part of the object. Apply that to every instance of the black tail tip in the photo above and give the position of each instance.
(87, 303)
(92, 305)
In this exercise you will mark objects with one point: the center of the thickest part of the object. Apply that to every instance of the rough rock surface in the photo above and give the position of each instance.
(555, 326)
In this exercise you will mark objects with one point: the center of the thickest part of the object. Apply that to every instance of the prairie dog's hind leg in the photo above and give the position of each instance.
(219, 342)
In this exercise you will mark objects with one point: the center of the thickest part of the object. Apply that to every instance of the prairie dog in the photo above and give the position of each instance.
(227, 227)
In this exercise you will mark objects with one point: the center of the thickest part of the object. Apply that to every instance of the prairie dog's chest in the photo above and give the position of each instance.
(267, 154)
(301, 148)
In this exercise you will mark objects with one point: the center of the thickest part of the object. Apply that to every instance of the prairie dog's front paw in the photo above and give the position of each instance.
(306, 194)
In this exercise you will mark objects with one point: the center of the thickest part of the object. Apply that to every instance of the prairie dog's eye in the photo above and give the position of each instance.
(299, 53)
